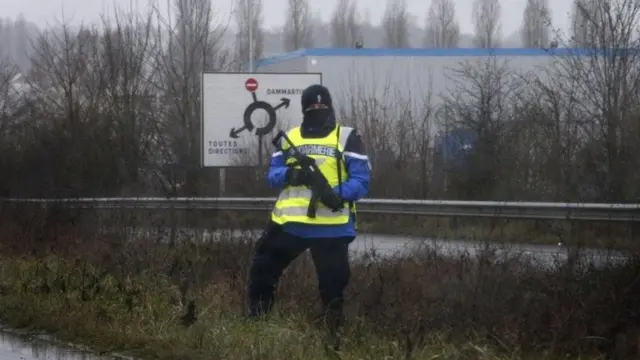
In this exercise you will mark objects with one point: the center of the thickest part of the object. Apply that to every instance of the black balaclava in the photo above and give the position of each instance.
(317, 110)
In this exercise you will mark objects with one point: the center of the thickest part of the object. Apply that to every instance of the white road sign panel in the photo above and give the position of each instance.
(239, 108)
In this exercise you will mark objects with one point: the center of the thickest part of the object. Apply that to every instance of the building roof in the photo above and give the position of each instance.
(371, 52)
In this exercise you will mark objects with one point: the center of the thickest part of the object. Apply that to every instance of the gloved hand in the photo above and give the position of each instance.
(306, 161)
(332, 201)
(298, 177)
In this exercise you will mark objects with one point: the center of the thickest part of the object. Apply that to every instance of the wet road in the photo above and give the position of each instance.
(389, 245)
(544, 255)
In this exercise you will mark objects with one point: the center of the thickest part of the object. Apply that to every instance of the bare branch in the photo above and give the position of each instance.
(396, 24)
(345, 25)
(9, 97)
(193, 46)
(480, 103)
(605, 85)
(535, 31)
(486, 17)
(298, 31)
(250, 33)
(442, 28)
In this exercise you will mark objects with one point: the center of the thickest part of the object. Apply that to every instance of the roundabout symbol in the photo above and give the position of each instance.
(252, 85)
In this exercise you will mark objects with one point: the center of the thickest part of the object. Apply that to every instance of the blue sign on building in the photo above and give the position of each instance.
(455, 145)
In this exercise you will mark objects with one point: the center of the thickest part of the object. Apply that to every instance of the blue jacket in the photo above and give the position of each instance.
(353, 188)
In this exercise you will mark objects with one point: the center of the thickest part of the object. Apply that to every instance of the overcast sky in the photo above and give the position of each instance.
(87, 11)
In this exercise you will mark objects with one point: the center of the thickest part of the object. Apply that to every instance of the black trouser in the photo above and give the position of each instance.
(276, 249)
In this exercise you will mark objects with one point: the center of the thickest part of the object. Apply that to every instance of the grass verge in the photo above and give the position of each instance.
(150, 328)
(113, 294)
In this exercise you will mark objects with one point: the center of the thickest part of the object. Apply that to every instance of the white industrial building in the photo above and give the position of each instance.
(389, 77)
(410, 73)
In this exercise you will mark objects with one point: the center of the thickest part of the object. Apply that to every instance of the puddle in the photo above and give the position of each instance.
(18, 346)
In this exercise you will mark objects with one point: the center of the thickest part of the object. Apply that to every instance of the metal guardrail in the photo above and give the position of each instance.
(491, 209)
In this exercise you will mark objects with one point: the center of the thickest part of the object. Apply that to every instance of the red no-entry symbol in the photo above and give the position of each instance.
(251, 85)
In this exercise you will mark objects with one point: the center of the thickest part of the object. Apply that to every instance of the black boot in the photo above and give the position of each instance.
(258, 308)
(334, 322)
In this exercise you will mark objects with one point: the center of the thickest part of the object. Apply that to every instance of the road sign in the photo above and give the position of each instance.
(231, 105)
(456, 144)
(251, 85)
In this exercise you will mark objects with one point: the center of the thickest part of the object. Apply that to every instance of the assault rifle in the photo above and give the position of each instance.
(320, 188)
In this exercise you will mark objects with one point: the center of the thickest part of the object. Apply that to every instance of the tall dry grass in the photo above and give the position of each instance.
(128, 292)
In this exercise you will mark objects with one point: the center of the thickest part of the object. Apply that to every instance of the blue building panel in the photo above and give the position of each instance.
(454, 145)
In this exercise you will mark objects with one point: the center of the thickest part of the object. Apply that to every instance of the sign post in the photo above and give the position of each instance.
(239, 109)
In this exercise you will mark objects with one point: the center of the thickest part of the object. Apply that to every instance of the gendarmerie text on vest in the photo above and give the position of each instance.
(320, 150)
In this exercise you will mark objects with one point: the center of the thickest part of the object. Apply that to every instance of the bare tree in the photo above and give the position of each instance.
(66, 82)
(396, 126)
(250, 32)
(126, 48)
(580, 25)
(606, 86)
(592, 25)
(486, 17)
(479, 103)
(298, 31)
(396, 24)
(442, 28)
(535, 31)
(583, 25)
(345, 27)
(21, 46)
(193, 45)
(8, 98)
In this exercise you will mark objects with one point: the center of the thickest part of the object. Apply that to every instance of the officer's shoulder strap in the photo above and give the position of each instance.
(293, 132)
(344, 133)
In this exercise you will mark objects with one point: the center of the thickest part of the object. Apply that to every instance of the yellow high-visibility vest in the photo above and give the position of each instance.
(293, 201)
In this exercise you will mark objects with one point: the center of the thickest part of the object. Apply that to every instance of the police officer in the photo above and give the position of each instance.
(340, 155)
